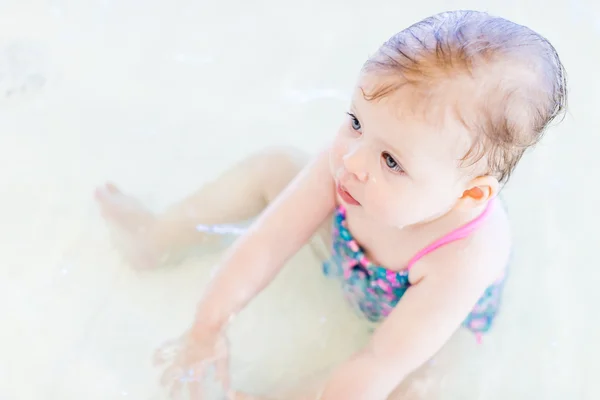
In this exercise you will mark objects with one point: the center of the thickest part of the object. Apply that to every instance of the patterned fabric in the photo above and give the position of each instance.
(374, 290)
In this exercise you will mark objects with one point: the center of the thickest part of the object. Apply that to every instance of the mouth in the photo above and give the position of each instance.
(345, 196)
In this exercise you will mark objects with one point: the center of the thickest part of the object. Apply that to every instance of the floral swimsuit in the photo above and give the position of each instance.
(374, 290)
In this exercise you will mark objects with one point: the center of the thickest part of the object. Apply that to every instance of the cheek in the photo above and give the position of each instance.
(431, 202)
(387, 204)
(400, 204)
(337, 152)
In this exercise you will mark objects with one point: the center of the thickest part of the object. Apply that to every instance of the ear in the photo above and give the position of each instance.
(479, 191)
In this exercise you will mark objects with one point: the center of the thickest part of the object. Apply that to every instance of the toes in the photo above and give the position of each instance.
(105, 191)
(102, 194)
(99, 193)
(112, 188)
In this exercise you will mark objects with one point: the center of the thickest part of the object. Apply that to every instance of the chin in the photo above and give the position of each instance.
(391, 218)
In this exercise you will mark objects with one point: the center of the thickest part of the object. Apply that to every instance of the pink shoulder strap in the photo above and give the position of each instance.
(457, 234)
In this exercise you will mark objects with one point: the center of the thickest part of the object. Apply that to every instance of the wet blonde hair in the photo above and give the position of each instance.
(516, 81)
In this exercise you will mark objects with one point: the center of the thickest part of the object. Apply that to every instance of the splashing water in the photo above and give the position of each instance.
(221, 229)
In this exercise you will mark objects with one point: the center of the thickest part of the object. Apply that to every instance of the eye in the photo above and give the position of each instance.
(354, 122)
(391, 163)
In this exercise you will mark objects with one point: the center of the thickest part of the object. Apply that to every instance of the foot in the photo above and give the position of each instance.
(133, 227)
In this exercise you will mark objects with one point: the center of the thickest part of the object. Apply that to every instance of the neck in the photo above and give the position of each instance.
(448, 220)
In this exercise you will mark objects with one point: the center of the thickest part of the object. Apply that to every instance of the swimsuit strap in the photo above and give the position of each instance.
(457, 234)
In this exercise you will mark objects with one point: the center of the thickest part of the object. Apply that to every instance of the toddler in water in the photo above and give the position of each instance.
(440, 117)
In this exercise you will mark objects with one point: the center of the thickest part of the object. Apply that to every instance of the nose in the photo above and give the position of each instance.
(355, 162)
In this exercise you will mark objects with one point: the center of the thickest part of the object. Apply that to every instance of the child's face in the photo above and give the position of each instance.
(402, 169)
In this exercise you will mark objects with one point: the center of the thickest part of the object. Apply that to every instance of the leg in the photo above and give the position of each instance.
(240, 193)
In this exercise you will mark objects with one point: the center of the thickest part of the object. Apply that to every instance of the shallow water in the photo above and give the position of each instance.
(160, 97)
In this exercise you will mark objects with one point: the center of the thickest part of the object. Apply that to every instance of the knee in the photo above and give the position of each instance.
(285, 158)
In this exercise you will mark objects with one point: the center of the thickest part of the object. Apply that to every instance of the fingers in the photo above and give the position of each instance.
(222, 369)
(178, 380)
(176, 392)
(187, 364)
(195, 390)
(167, 351)
(234, 395)
(173, 373)
(195, 381)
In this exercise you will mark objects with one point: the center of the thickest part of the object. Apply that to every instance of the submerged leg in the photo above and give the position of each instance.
(240, 193)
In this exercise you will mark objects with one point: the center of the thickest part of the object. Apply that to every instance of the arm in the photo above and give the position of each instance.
(422, 322)
(278, 233)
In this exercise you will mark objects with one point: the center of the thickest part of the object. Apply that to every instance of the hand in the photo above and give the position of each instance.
(188, 359)
(234, 395)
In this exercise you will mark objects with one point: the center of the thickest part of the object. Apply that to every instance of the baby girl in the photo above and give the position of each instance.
(405, 196)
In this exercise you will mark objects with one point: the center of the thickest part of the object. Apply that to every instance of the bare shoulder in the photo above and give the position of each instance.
(483, 256)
